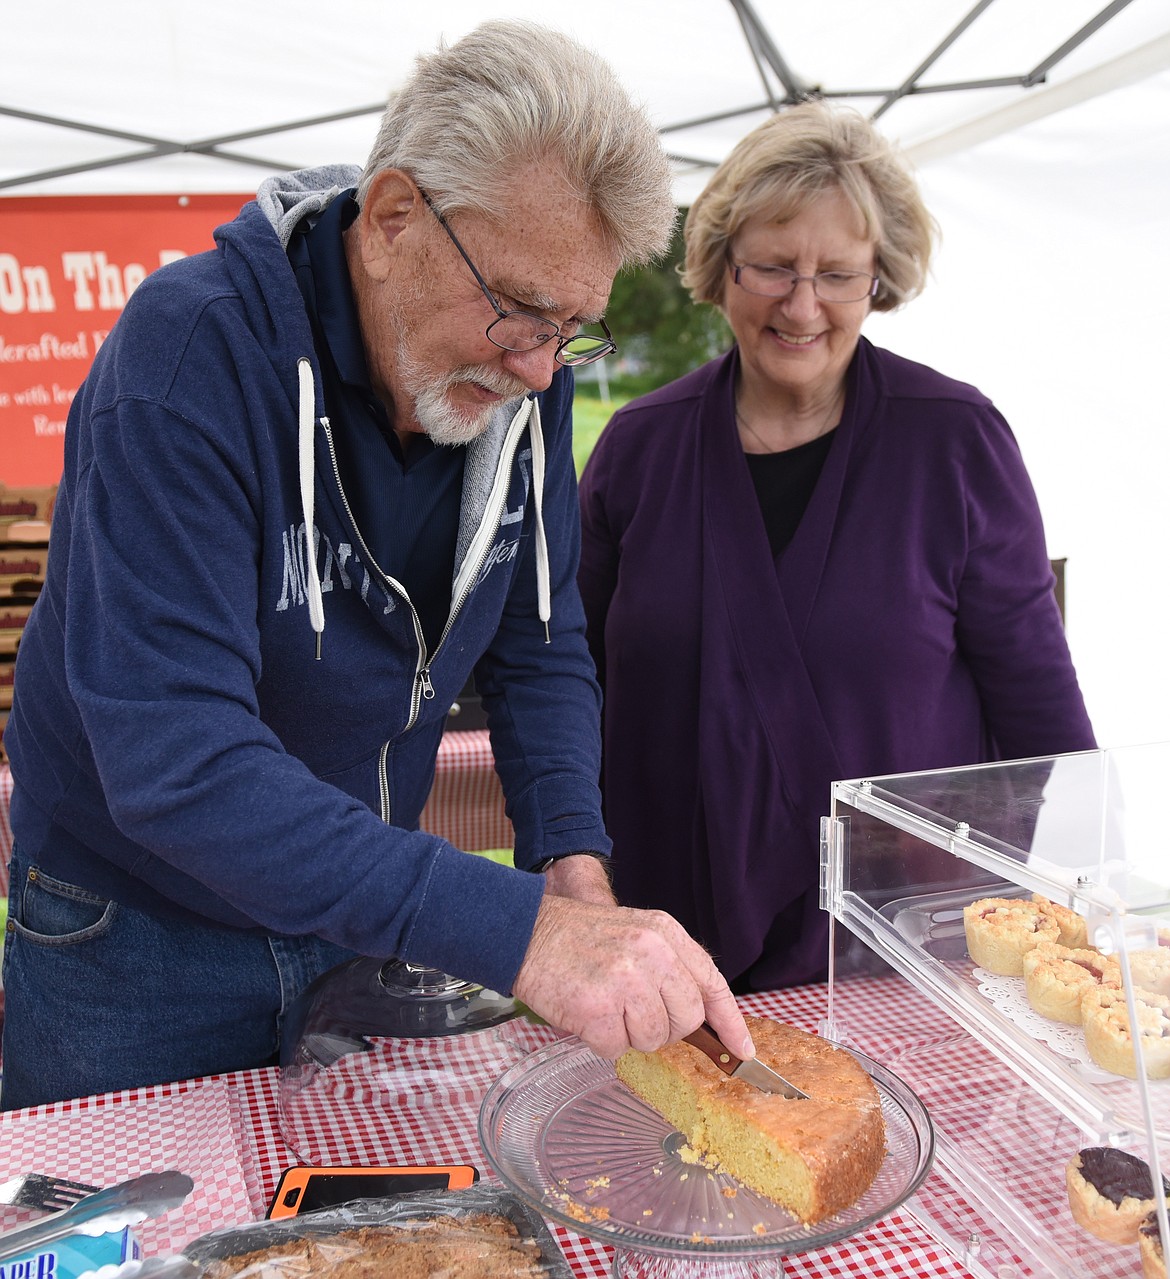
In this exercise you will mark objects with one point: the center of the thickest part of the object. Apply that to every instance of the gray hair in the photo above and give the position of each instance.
(513, 93)
(785, 164)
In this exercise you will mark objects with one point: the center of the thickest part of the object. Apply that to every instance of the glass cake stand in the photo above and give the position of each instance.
(371, 1039)
(569, 1138)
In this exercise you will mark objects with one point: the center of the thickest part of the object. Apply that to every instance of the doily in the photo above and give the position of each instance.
(1007, 994)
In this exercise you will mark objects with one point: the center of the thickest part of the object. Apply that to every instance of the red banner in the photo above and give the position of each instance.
(67, 266)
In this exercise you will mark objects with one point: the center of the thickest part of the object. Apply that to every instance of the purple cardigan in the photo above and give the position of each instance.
(909, 624)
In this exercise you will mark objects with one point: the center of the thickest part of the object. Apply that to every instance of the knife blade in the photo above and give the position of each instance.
(752, 1072)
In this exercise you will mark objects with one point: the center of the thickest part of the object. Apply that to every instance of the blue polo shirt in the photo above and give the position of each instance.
(405, 503)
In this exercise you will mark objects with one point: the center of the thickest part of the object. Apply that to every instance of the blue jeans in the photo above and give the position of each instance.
(100, 997)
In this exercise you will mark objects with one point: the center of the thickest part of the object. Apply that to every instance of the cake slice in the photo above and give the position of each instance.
(814, 1157)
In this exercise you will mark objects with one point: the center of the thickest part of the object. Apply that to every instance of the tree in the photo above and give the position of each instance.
(661, 333)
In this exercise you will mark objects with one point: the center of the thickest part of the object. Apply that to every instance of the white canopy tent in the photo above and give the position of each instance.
(1040, 128)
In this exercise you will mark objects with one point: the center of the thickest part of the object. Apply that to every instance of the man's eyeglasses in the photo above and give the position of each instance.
(780, 281)
(523, 331)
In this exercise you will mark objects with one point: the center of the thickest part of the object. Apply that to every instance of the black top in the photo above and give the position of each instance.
(784, 483)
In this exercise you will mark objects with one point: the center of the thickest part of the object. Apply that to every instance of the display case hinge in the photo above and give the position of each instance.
(834, 845)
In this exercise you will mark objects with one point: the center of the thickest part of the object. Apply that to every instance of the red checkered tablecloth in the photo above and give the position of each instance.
(466, 805)
(74, 1138)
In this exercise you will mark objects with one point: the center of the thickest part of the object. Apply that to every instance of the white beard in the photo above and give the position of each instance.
(442, 422)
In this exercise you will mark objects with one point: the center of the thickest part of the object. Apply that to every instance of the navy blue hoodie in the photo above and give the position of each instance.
(176, 743)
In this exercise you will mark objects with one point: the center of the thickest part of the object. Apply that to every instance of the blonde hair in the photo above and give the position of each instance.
(511, 94)
(792, 159)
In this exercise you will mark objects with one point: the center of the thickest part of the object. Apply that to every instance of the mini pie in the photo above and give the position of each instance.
(1001, 930)
(1110, 1191)
(1108, 1036)
(1055, 978)
(1074, 931)
(1150, 1248)
(1150, 969)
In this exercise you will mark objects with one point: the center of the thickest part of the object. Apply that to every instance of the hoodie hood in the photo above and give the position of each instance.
(286, 199)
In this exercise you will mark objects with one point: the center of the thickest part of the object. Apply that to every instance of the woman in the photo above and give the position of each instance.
(807, 560)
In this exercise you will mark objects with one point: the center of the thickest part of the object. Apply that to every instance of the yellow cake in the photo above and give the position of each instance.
(813, 1157)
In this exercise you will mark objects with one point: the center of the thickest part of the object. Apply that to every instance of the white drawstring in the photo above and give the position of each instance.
(305, 425)
(543, 593)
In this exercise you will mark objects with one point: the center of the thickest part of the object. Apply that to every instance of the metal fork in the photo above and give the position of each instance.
(49, 1194)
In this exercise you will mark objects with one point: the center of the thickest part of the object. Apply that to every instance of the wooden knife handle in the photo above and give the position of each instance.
(707, 1042)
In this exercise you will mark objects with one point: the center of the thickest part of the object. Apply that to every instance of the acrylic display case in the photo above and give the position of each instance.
(1013, 1095)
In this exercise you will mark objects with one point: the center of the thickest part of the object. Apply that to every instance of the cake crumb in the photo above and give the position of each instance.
(759, 1228)
(647, 1212)
(582, 1212)
(699, 1237)
(585, 1213)
(597, 1183)
(692, 1155)
(729, 1192)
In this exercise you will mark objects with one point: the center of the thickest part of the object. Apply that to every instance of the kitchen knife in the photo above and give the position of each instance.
(752, 1072)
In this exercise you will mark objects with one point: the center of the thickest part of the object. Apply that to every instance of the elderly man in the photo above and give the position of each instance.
(315, 478)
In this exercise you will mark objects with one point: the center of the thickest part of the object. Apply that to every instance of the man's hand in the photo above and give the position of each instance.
(582, 877)
(622, 978)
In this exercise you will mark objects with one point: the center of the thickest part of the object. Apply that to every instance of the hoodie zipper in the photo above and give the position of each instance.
(383, 784)
(387, 580)
(507, 456)
(423, 689)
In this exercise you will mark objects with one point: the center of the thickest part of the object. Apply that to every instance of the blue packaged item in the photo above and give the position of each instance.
(72, 1256)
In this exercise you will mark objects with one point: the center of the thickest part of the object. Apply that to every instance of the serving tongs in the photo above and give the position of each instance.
(176, 1267)
(126, 1204)
(752, 1072)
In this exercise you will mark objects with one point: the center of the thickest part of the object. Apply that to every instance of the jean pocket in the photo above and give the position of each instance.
(53, 913)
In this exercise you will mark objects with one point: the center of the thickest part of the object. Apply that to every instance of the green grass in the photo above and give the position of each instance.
(501, 855)
(589, 416)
